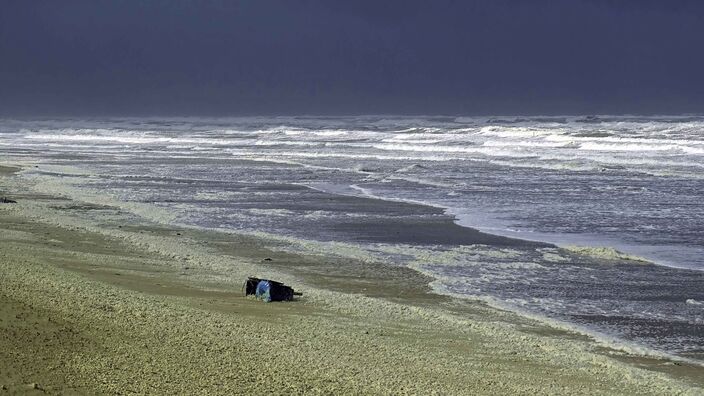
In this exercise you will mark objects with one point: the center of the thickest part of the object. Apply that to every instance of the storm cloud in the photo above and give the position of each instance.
(353, 57)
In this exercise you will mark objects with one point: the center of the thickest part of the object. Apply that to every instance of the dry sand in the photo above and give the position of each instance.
(111, 307)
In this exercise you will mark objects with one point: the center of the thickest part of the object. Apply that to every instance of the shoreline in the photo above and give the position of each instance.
(176, 278)
(545, 239)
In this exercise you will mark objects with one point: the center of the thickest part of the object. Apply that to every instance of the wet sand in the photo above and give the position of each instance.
(116, 306)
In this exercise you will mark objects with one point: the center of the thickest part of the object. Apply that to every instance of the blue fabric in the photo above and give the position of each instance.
(264, 290)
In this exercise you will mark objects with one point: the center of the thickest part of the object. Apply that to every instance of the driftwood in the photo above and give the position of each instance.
(5, 200)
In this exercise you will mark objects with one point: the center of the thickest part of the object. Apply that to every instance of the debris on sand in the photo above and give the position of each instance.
(268, 290)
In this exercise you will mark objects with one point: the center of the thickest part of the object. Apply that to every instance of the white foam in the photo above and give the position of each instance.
(606, 253)
(127, 139)
(631, 147)
(528, 144)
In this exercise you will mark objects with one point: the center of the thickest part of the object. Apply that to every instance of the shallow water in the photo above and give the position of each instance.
(403, 187)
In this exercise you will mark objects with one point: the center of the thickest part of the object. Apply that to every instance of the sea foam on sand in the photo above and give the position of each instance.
(606, 253)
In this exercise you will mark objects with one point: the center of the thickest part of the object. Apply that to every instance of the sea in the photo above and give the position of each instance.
(595, 223)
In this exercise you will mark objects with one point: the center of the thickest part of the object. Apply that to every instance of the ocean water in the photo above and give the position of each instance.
(409, 190)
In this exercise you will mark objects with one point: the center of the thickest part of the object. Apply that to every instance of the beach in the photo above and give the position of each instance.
(353, 198)
(114, 306)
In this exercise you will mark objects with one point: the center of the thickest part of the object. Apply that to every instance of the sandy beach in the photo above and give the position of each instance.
(429, 198)
(114, 306)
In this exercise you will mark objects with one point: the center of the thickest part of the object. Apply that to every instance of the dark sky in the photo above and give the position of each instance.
(181, 57)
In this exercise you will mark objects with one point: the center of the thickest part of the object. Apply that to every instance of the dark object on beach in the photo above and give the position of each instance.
(268, 290)
(267, 259)
(5, 200)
